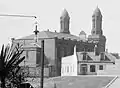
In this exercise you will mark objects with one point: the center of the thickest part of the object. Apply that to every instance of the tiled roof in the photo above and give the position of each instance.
(49, 34)
(91, 57)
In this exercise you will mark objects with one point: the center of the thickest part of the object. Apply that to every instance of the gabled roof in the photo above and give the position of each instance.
(93, 58)
(49, 34)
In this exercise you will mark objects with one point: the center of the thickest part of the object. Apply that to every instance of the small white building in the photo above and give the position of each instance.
(85, 63)
(69, 65)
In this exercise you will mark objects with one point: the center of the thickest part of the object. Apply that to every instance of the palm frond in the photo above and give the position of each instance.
(10, 53)
(13, 66)
(7, 49)
(10, 58)
(14, 58)
(1, 58)
(2, 53)
(19, 61)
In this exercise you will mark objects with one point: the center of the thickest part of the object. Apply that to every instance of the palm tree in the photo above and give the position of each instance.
(10, 58)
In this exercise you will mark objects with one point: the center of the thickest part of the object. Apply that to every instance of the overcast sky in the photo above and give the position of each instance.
(49, 12)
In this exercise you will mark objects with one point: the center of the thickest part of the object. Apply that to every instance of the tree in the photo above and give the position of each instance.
(10, 58)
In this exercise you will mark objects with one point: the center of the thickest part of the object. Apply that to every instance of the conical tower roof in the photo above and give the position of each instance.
(65, 14)
(97, 12)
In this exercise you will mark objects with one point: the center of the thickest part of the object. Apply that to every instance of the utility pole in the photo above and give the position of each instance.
(42, 64)
(42, 44)
(42, 56)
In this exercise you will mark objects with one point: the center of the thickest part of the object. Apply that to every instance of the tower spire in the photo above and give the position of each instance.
(97, 22)
(65, 14)
(64, 21)
(97, 33)
(97, 12)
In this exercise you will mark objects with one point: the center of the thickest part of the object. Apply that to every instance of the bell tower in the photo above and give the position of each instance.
(64, 22)
(97, 22)
(96, 32)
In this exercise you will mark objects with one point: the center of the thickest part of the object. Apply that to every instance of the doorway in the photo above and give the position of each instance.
(83, 69)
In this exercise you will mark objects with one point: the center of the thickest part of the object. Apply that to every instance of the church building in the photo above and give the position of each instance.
(61, 44)
(90, 60)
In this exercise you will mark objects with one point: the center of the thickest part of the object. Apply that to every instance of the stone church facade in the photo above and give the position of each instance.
(61, 44)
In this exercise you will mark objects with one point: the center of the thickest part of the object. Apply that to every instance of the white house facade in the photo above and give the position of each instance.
(86, 63)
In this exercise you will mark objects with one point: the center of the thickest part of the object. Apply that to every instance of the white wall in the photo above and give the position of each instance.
(69, 63)
(96, 68)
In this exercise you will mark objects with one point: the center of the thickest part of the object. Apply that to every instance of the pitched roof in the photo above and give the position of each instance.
(71, 58)
(110, 56)
(68, 59)
(49, 34)
(91, 57)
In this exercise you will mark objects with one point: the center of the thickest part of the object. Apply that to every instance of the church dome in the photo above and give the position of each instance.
(82, 36)
(82, 33)
(65, 13)
(97, 12)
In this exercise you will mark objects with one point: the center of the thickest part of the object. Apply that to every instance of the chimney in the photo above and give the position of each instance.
(102, 56)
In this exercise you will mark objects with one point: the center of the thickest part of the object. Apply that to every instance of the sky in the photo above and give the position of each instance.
(49, 12)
